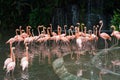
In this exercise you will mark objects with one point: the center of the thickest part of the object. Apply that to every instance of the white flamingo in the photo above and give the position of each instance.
(8, 60)
(24, 61)
(11, 65)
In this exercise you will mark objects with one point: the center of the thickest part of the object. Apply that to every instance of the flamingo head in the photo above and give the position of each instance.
(113, 27)
(100, 22)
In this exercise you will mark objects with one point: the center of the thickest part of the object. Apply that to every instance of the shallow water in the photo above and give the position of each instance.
(36, 71)
(44, 71)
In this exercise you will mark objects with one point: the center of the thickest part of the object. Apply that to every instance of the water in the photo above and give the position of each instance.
(44, 71)
(36, 71)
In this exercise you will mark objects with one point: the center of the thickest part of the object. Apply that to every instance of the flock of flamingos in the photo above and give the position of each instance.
(24, 45)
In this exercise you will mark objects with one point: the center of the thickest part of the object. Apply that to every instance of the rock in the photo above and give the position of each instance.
(61, 71)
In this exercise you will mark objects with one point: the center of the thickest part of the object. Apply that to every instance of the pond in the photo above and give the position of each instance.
(89, 65)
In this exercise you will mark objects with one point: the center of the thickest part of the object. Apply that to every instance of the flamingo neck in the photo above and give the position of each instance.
(26, 53)
(44, 30)
(20, 28)
(100, 28)
(29, 33)
(96, 31)
(13, 55)
(32, 33)
(48, 31)
(65, 29)
(51, 28)
(69, 32)
(10, 50)
(16, 31)
(59, 30)
(85, 30)
(27, 30)
(76, 32)
(38, 30)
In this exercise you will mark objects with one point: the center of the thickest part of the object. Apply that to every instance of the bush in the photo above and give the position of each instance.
(116, 19)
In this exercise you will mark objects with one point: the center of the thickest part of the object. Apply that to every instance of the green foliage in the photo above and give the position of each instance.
(116, 19)
(40, 16)
(34, 17)
(35, 12)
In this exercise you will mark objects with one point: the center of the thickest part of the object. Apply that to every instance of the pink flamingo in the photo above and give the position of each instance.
(11, 40)
(103, 35)
(25, 34)
(115, 34)
(78, 40)
(11, 65)
(17, 37)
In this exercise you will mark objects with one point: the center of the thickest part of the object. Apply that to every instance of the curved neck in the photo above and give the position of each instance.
(51, 28)
(20, 28)
(76, 32)
(13, 55)
(65, 28)
(59, 30)
(85, 30)
(10, 50)
(69, 32)
(101, 25)
(26, 53)
(48, 31)
(38, 28)
(16, 31)
(29, 33)
(44, 30)
(96, 31)
(28, 30)
(32, 33)
(114, 28)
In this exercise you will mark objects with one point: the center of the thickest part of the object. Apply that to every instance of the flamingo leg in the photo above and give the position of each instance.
(105, 44)
(71, 55)
(39, 57)
(115, 43)
(100, 76)
(49, 58)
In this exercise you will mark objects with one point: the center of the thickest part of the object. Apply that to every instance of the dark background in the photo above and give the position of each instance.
(14, 13)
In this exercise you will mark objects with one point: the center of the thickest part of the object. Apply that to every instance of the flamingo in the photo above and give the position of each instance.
(29, 39)
(39, 30)
(17, 37)
(24, 61)
(25, 34)
(78, 40)
(8, 60)
(11, 40)
(11, 65)
(104, 35)
(115, 34)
